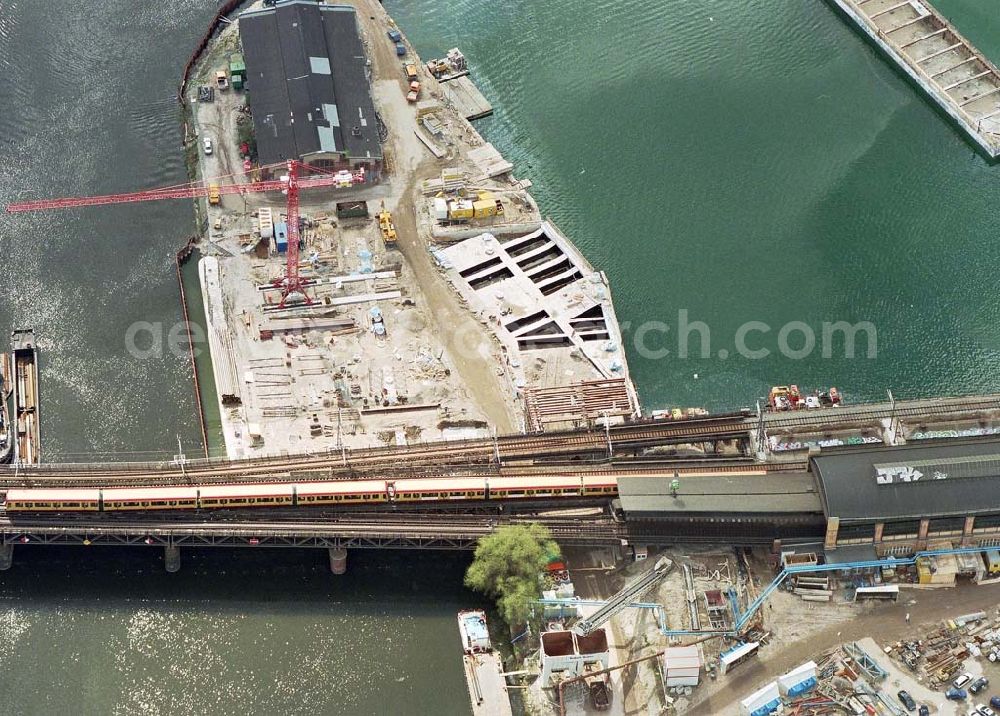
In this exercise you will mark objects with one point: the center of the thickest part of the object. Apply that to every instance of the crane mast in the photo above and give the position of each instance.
(292, 286)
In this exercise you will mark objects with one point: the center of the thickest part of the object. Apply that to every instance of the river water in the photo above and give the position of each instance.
(740, 161)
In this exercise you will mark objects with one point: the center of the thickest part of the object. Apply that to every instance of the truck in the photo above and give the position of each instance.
(414, 92)
(221, 80)
(993, 561)
(411, 71)
(213, 194)
(400, 49)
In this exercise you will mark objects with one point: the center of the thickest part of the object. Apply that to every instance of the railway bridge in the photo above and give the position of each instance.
(741, 498)
(578, 446)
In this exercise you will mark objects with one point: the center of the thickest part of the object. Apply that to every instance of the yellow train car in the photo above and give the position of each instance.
(255, 495)
(340, 492)
(599, 485)
(117, 499)
(53, 500)
(437, 489)
(534, 486)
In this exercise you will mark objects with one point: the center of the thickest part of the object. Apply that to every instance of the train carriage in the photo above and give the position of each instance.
(535, 486)
(340, 492)
(115, 499)
(45, 499)
(600, 485)
(250, 495)
(437, 489)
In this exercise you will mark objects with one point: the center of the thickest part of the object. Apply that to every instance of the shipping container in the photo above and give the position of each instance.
(281, 237)
(237, 82)
(352, 210)
(460, 210)
(441, 209)
(237, 66)
(484, 208)
(400, 49)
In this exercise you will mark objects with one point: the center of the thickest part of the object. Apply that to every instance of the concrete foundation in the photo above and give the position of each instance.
(172, 558)
(338, 560)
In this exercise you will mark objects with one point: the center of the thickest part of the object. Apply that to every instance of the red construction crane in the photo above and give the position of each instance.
(292, 285)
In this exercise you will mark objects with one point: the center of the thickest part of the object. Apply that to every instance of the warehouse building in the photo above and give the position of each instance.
(308, 87)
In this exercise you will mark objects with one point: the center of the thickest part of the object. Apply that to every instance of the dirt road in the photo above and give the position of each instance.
(469, 346)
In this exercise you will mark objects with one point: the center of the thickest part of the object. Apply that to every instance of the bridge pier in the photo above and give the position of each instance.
(338, 560)
(172, 558)
(6, 556)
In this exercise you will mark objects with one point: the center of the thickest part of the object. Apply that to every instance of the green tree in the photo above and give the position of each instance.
(507, 567)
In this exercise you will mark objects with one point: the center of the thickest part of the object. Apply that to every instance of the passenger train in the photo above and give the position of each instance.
(303, 494)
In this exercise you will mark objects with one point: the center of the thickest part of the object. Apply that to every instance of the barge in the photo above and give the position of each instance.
(6, 431)
(482, 665)
(26, 419)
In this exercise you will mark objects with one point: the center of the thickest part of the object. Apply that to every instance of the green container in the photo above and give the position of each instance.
(237, 82)
(237, 66)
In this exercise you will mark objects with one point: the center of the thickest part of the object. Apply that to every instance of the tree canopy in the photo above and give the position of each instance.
(507, 567)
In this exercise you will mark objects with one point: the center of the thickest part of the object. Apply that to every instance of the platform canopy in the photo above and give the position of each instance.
(915, 481)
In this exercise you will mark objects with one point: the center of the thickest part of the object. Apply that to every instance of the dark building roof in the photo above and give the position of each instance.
(909, 482)
(750, 495)
(307, 80)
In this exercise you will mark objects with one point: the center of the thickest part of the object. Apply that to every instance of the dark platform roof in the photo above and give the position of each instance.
(723, 495)
(913, 481)
(308, 82)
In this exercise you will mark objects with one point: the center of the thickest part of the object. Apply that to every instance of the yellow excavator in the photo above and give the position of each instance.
(385, 225)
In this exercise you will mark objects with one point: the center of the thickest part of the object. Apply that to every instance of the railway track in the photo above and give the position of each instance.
(440, 528)
(354, 464)
(854, 416)
(653, 469)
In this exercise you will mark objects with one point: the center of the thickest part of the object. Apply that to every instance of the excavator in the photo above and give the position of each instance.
(386, 226)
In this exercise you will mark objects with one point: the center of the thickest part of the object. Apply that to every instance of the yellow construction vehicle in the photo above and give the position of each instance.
(386, 227)
(213, 193)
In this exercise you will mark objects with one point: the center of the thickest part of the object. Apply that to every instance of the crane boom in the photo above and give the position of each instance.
(181, 192)
(291, 285)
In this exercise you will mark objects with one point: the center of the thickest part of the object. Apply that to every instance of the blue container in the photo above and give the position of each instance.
(400, 49)
(281, 237)
(394, 35)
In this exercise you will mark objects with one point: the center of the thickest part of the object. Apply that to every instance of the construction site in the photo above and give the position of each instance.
(700, 630)
(404, 291)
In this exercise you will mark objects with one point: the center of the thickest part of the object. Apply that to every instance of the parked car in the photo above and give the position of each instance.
(955, 694)
(985, 711)
(979, 684)
(962, 680)
(923, 710)
(995, 702)
(206, 143)
(907, 700)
